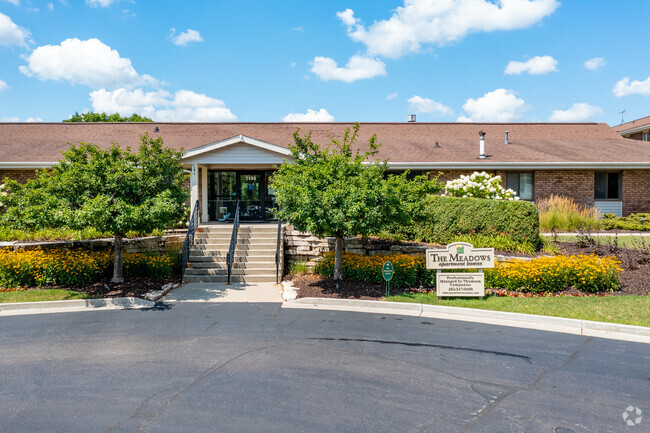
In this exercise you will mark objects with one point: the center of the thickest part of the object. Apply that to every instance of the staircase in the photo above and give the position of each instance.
(254, 255)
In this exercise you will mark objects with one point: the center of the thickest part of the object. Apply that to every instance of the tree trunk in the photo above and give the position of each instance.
(338, 258)
(118, 269)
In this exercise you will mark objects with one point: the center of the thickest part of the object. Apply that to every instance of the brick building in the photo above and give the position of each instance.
(589, 162)
(638, 129)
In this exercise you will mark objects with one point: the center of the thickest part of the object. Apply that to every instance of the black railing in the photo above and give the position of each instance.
(277, 254)
(189, 238)
(230, 257)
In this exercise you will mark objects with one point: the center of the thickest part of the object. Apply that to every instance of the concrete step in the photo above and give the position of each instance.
(238, 251)
(212, 271)
(242, 229)
(242, 236)
(218, 256)
(236, 265)
(244, 246)
(233, 279)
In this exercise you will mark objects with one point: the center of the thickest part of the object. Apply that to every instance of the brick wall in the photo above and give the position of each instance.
(18, 175)
(575, 184)
(635, 191)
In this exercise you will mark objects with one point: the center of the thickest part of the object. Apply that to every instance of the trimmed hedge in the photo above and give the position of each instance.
(442, 219)
(635, 222)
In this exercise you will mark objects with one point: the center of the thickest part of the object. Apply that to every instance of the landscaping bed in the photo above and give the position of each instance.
(132, 287)
(634, 279)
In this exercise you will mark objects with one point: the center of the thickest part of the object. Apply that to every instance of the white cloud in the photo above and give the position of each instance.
(357, 68)
(440, 22)
(12, 34)
(310, 116)
(99, 3)
(50, 6)
(162, 106)
(14, 2)
(500, 105)
(391, 96)
(17, 119)
(577, 113)
(624, 87)
(595, 63)
(3, 85)
(185, 37)
(85, 62)
(418, 104)
(538, 65)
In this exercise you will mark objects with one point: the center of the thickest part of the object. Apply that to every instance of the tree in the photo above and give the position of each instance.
(103, 117)
(113, 190)
(336, 191)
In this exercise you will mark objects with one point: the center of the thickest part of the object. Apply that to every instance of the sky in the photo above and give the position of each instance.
(328, 60)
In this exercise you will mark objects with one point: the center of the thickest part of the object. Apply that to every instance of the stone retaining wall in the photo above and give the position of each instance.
(305, 247)
(150, 244)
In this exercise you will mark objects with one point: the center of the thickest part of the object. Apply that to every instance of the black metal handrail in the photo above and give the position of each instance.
(233, 243)
(277, 254)
(189, 238)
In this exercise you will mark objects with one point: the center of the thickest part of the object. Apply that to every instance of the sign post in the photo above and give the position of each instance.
(387, 272)
(460, 255)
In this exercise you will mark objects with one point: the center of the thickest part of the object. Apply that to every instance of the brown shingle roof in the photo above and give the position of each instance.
(401, 142)
(633, 124)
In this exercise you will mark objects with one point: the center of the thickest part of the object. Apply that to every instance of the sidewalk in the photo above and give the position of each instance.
(600, 234)
(220, 292)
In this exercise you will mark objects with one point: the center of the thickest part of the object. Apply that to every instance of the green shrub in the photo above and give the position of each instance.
(443, 219)
(499, 241)
(634, 222)
(298, 268)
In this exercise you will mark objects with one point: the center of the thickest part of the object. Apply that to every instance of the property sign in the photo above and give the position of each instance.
(460, 284)
(460, 255)
(387, 271)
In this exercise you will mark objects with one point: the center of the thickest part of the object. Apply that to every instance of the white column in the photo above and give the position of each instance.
(204, 194)
(194, 186)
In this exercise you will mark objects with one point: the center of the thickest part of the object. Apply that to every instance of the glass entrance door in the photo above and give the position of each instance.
(251, 188)
(250, 194)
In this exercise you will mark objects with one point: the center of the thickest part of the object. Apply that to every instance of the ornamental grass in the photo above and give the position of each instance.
(409, 271)
(37, 267)
(587, 273)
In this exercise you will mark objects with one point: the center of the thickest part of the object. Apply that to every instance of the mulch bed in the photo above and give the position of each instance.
(635, 278)
(132, 286)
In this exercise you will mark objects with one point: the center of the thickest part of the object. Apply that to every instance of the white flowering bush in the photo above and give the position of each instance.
(479, 185)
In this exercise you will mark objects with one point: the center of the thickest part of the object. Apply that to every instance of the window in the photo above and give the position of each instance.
(645, 136)
(521, 183)
(607, 186)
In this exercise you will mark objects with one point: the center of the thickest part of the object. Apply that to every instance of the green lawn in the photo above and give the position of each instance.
(34, 295)
(624, 241)
(629, 310)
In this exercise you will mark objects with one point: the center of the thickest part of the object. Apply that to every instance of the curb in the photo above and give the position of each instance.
(42, 307)
(639, 334)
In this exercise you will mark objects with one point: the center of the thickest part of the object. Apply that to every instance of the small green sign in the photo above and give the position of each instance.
(387, 271)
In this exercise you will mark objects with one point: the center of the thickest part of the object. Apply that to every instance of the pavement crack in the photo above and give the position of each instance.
(146, 418)
(532, 385)
(436, 346)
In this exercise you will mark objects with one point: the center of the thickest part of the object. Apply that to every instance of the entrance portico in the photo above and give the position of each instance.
(237, 168)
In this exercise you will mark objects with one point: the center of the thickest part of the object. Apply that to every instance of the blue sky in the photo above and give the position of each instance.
(342, 60)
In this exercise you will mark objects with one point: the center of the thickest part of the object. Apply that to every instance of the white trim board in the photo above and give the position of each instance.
(235, 140)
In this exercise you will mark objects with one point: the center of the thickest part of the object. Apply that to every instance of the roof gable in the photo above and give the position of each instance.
(239, 149)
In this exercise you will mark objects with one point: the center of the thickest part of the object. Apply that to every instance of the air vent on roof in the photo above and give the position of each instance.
(506, 137)
(411, 118)
(481, 144)
(437, 146)
(156, 129)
